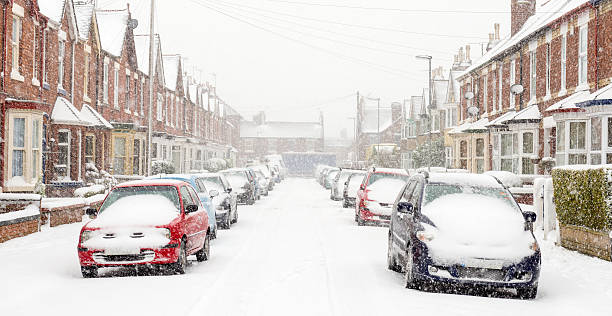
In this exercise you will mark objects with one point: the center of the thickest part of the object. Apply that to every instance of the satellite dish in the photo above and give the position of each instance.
(133, 23)
(473, 111)
(469, 95)
(517, 89)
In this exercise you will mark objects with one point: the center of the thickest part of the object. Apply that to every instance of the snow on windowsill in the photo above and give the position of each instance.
(30, 210)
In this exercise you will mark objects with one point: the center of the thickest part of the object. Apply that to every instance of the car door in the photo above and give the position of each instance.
(205, 199)
(203, 218)
(193, 221)
(400, 221)
(415, 199)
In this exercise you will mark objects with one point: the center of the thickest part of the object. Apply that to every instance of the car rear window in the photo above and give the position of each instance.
(380, 175)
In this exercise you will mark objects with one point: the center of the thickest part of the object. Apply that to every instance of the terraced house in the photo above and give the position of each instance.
(542, 95)
(75, 95)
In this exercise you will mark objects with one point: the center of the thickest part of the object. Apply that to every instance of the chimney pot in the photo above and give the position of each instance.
(497, 31)
(467, 53)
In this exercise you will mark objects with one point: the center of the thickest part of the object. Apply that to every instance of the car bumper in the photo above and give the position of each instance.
(460, 275)
(98, 257)
(243, 197)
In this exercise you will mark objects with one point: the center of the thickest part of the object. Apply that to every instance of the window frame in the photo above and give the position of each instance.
(61, 55)
(583, 60)
(58, 163)
(86, 155)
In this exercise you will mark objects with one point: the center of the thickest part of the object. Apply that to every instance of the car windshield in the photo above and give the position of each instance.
(380, 175)
(166, 191)
(236, 179)
(211, 185)
(435, 191)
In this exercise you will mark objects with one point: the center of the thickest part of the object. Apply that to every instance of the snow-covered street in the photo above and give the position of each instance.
(295, 252)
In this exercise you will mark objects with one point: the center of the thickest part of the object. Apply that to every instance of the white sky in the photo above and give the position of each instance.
(274, 71)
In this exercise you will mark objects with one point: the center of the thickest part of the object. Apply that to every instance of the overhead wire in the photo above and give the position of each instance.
(386, 69)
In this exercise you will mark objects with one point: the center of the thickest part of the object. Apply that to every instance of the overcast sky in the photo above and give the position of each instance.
(295, 58)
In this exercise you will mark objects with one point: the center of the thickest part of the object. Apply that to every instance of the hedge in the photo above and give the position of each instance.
(582, 196)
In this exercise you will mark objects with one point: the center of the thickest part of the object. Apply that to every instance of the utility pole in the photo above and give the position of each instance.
(378, 119)
(151, 80)
(429, 108)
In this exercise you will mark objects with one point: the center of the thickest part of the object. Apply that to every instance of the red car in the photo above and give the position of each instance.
(149, 222)
(377, 194)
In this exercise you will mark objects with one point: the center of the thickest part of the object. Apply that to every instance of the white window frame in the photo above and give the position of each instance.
(44, 57)
(86, 69)
(16, 33)
(105, 78)
(548, 70)
(563, 76)
(68, 156)
(128, 86)
(116, 87)
(160, 104)
(32, 153)
(35, 63)
(583, 61)
(532, 76)
(500, 86)
(512, 82)
(485, 94)
(142, 88)
(61, 55)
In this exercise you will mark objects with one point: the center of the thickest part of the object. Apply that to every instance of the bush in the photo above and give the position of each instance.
(429, 154)
(582, 196)
(162, 166)
(215, 164)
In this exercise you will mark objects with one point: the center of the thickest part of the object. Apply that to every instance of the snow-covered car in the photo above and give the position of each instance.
(265, 170)
(463, 230)
(204, 195)
(277, 161)
(351, 186)
(337, 187)
(225, 202)
(321, 176)
(146, 222)
(243, 183)
(263, 183)
(374, 201)
(329, 178)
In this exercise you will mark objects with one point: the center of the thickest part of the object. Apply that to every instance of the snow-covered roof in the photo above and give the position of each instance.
(84, 13)
(530, 113)
(65, 113)
(370, 119)
(93, 117)
(478, 126)
(546, 13)
(112, 27)
(171, 69)
(502, 118)
(569, 102)
(53, 9)
(461, 128)
(599, 97)
(280, 130)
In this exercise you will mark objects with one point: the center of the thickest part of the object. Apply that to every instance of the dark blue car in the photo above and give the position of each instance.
(463, 230)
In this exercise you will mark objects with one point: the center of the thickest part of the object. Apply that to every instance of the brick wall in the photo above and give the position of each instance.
(586, 241)
(21, 229)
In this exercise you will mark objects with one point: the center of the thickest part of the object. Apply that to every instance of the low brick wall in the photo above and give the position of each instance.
(68, 214)
(587, 241)
(19, 228)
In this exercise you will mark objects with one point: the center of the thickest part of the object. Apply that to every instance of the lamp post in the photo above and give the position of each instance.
(429, 106)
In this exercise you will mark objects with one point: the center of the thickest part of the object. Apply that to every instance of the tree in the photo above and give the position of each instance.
(429, 154)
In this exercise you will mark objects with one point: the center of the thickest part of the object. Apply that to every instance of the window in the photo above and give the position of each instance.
(463, 154)
(136, 97)
(160, 104)
(119, 155)
(62, 168)
(560, 154)
(577, 135)
(154, 150)
(532, 75)
(44, 55)
(61, 54)
(582, 55)
(15, 45)
(500, 85)
(512, 81)
(166, 112)
(596, 140)
(90, 149)
(86, 76)
(187, 199)
(105, 83)
(36, 144)
(480, 153)
(136, 157)
(485, 89)
(563, 62)
(527, 166)
(506, 152)
(127, 93)
(142, 97)
(548, 69)
(35, 59)
(116, 87)
(493, 91)
(19, 131)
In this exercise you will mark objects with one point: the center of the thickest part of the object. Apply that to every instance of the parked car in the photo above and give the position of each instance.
(243, 182)
(263, 183)
(337, 186)
(463, 229)
(206, 196)
(374, 201)
(146, 222)
(351, 186)
(322, 173)
(277, 161)
(253, 179)
(226, 202)
(270, 180)
(329, 178)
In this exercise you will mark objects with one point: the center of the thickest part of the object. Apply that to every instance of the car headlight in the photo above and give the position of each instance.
(534, 246)
(426, 234)
(166, 232)
(86, 235)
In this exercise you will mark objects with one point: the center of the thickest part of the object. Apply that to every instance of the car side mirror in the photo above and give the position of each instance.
(191, 208)
(362, 187)
(405, 208)
(229, 190)
(530, 217)
(213, 193)
(346, 183)
(91, 212)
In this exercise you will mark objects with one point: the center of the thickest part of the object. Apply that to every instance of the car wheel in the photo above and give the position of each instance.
(391, 264)
(528, 293)
(360, 222)
(345, 204)
(214, 233)
(409, 281)
(235, 217)
(251, 201)
(204, 253)
(89, 272)
(228, 220)
(180, 265)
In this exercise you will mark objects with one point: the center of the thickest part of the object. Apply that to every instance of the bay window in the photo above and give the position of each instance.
(596, 140)
(560, 154)
(24, 143)
(506, 152)
(527, 166)
(19, 130)
(36, 153)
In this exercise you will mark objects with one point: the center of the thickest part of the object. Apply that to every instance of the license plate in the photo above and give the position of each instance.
(121, 251)
(484, 263)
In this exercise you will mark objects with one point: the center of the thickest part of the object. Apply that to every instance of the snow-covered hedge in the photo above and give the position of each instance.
(582, 196)
(162, 166)
(215, 164)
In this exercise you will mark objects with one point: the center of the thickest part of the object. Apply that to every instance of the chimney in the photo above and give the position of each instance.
(521, 10)
(497, 32)
(467, 54)
(461, 55)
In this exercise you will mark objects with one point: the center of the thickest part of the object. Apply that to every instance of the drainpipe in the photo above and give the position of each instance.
(4, 24)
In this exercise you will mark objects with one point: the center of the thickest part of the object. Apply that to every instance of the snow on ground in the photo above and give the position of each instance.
(293, 253)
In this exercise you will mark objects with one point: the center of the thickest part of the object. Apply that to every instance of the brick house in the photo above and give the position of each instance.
(556, 52)
(377, 125)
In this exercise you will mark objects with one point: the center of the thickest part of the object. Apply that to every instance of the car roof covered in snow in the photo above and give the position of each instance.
(465, 179)
(151, 182)
(390, 170)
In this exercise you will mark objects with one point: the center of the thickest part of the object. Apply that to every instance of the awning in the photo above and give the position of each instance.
(496, 123)
(569, 104)
(94, 118)
(602, 96)
(65, 113)
(531, 114)
(549, 122)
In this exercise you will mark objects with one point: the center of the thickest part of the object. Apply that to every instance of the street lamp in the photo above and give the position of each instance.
(429, 106)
